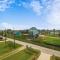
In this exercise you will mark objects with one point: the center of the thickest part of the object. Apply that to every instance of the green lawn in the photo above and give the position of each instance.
(5, 48)
(24, 55)
(53, 41)
(54, 58)
(49, 42)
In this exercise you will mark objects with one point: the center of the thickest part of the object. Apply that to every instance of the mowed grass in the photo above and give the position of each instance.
(24, 55)
(45, 41)
(4, 48)
(41, 40)
(52, 41)
(54, 58)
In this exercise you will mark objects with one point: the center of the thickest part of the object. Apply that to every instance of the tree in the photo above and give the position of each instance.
(54, 31)
(10, 45)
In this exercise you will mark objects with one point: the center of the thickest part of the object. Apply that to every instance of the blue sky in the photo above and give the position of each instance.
(23, 14)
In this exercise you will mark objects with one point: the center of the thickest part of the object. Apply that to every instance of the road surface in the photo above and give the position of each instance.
(42, 49)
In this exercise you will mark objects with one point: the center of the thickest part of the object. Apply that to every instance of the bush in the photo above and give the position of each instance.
(10, 45)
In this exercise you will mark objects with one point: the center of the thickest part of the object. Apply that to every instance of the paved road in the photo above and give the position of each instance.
(42, 49)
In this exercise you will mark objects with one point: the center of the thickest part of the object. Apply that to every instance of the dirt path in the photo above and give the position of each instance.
(11, 53)
(44, 56)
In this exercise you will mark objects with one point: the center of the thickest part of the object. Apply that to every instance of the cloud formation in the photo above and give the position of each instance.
(50, 9)
(36, 6)
(4, 4)
(5, 25)
(54, 16)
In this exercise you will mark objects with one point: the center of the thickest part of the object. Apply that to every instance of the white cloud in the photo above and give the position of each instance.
(51, 11)
(4, 4)
(36, 7)
(53, 17)
(6, 25)
(25, 4)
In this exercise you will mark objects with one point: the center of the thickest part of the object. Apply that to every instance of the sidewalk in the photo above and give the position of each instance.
(1, 41)
(44, 56)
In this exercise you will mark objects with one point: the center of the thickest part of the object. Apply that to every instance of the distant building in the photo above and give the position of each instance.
(17, 33)
(34, 31)
(56, 32)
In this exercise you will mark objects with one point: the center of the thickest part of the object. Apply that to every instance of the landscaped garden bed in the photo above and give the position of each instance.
(54, 58)
(45, 41)
(26, 54)
(8, 47)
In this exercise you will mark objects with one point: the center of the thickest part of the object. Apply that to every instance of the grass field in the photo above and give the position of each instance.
(5, 48)
(50, 40)
(24, 55)
(53, 41)
(46, 41)
(54, 58)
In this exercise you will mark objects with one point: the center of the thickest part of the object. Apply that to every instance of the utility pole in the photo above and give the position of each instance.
(2, 33)
(14, 38)
(5, 36)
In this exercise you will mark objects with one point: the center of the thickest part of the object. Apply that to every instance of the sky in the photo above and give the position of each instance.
(24, 14)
